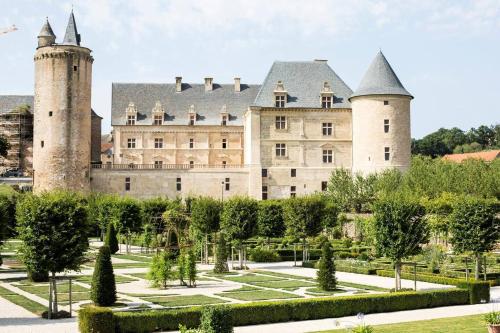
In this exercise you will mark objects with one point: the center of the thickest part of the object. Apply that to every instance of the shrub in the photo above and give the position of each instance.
(326, 269)
(492, 318)
(95, 320)
(191, 272)
(103, 288)
(263, 255)
(479, 291)
(216, 319)
(110, 239)
(160, 270)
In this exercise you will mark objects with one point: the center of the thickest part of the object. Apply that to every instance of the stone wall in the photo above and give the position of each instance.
(95, 139)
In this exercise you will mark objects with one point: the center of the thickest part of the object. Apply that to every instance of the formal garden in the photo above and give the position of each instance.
(132, 265)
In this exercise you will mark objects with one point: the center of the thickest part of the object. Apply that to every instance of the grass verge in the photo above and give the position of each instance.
(173, 301)
(258, 295)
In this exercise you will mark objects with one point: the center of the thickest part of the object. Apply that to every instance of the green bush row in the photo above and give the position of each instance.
(354, 269)
(263, 255)
(95, 320)
(283, 311)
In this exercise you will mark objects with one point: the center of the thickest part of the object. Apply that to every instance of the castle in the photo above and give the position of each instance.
(278, 139)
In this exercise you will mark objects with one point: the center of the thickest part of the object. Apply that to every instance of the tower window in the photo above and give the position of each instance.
(50, 113)
(131, 143)
(192, 119)
(127, 184)
(324, 186)
(158, 164)
(75, 68)
(227, 184)
(264, 192)
(280, 122)
(326, 102)
(327, 156)
(224, 143)
(191, 164)
(293, 172)
(386, 102)
(264, 173)
(386, 125)
(131, 120)
(281, 149)
(280, 101)
(191, 143)
(387, 153)
(224, 120)
(178, 184)
(158, 143)
(158, 120)
(327, 129)
(293, 191)
(42, 143)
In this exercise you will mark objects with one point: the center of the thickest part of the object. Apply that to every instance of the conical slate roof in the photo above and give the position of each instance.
(72, 36)
(380, 79)
(46, 30)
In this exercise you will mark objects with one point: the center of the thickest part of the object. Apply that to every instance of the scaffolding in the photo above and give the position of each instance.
(17, 126)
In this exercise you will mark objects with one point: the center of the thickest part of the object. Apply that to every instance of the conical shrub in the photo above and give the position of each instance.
(103, 288)
(326, 272)
(110, 239)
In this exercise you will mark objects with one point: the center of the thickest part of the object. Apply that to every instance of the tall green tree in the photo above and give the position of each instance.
(4, 146)
(103, 287)
(326, 268)
(221, 256)
(53, 227)
(110, 239)
(191, 271)
(205, 218)
(239, 221)
(474, 226)
(270, 222)
(400, 229)
(351, 192)
(161, 269)
(128, 218)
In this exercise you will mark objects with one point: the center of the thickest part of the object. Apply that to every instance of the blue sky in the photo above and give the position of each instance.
(446, 53)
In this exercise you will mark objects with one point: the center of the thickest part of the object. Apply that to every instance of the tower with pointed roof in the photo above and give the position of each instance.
(62, 111)
(381, 137)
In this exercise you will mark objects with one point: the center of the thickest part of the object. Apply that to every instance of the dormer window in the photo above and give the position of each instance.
(280, 95)
(158, 114)
(224, 121)
(192, 116)
(326, 96)
(224, 116)
(131, 113)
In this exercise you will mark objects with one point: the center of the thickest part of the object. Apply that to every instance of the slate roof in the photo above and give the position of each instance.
(46, 30)
(11, 102)
(380, 79)
(303, 81)
(72, 37)
(207, 105)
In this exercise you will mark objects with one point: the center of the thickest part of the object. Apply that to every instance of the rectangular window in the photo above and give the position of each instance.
(281, 149)
(293, 191)
(178, 184)
(50, 113)
(387, 153)
(158, 143)
(131, 143)
(327, 129)
(264, 172)
(386, 125)
(224, 143)
(127, 184)
(130, 120)
(158, 164)
(386, 102)
(192, 118)
(293, 172)
(158, 120)
(191, 143)
(280, 101)
(280, 122)
(324, 186)
(224, 164)
(264, 192)
(224, 121)
(227, 184)
(191, 164)
(327, 156)
(326, 102)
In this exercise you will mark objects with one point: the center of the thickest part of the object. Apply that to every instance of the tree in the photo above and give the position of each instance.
(191, 271)
(400, 229)
(4, 146)
(103, 210)
(330, 218)
(152, 211)
(111, 240)
(326, 269)
(103, 287)
(53, 228)
(239, 221)
(205, 217)
(474, 227)
(128, 218)
(270, 221)
(303, 216)
(221, 256)
(351, 192)
(160, 270)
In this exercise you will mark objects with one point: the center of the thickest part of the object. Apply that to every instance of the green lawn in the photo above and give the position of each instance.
(118, 279)
(318, 292)
(244, 288)
(26, 303)
(44, 288)
(467, 324)
(249, 278)
(361, 286)
(283, 275)
(284, 284)
(133, 257)
(171, 301)
(138, 275)
(258, 295)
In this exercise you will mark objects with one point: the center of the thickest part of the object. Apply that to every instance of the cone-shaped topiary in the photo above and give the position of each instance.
(326, 272)
(221, 256)
(103, 288)
(110, 239)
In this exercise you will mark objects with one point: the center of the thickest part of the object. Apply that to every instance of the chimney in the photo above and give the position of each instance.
(209, 84)
(237, 85)
(178, 83)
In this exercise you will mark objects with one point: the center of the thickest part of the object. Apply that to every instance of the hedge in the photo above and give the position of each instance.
(282, 311)
(479, 291)
(95, 320)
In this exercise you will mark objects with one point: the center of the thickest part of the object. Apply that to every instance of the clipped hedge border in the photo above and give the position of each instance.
(295, 310)
(95, 319)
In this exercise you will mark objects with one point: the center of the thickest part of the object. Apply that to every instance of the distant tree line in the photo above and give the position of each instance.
(446, 141)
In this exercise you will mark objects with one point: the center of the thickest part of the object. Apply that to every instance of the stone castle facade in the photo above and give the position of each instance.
(277, 139)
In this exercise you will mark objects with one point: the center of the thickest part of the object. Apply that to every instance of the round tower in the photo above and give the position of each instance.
(381, 137)
(62, 112)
